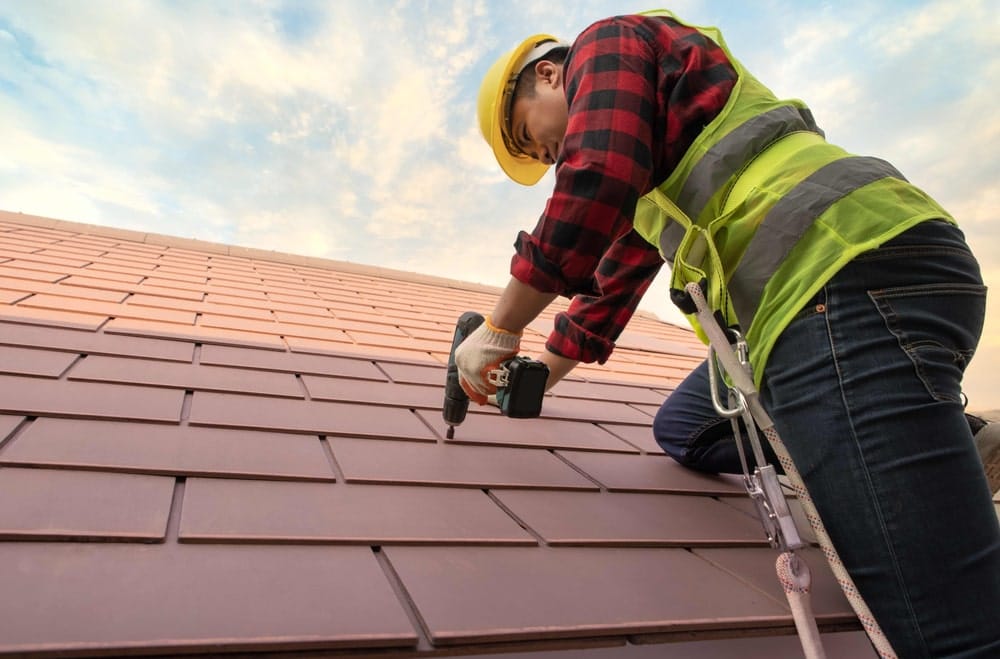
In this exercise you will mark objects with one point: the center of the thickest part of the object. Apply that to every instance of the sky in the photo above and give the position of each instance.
(347, 130)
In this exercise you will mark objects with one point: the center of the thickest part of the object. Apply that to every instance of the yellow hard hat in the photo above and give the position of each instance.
(494, 107)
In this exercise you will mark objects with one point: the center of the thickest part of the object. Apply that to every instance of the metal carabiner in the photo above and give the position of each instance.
(713, 385)
(761, 482)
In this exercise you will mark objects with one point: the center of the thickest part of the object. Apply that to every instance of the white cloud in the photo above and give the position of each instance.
(304, 230)
(976, 19)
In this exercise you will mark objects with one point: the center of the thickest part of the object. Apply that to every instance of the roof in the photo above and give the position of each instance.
(212, 449)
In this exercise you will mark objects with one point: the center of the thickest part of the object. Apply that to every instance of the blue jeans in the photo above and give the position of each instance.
(864, 387)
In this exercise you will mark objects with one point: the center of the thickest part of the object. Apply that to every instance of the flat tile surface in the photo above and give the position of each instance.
(86, 399)
(491, 428)
(605, 518)
(158, 302)
(378, 461)
(52, 318)
(235, 411)
(757, 567)
(414, 373)
(320, 347)
(57, 504)
(207, 598)
(572, 388)
(87, 342)
(27, 361)
(8, 422)
(367, 391)
(198, 333)
(186, 376)
(109, 309)
(165, 449)
(640, 436)
(230, 510)
(291, 362)
(494, 593)
(595, 410)
(648, 473)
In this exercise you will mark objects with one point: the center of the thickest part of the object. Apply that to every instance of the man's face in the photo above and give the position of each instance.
(538, 123)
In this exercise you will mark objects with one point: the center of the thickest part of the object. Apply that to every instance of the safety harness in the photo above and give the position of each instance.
(728, 355)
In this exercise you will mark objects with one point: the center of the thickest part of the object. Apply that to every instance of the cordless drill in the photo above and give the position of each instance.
(520, 385)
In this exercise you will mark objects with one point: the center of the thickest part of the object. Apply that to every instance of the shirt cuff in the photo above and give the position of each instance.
(529, 266)
(572, 341)
(532, 269)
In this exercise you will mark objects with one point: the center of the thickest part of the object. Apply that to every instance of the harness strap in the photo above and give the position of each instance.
(792, 571)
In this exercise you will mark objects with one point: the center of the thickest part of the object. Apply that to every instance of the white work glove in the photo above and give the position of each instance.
(482, 352)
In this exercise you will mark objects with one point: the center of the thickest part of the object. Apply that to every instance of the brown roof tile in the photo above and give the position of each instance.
(490, 594)
(644, 473)
(630, 520)
(248, 511)
(757, 567)
(316, 417)
(86, 399)
(46, 504)
(162, 449)
(30, 361)
(99, 599)
(212, 449)
(368, 461)
(76, 341)
(199, 377)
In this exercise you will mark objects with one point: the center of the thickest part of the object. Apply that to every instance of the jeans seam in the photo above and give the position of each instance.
(876, 500)
(912, 251)
(696, 435)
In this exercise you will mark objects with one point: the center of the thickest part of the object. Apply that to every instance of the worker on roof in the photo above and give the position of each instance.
(856, 292)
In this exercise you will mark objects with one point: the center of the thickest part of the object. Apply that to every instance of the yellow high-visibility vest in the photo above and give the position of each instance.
(762, 211)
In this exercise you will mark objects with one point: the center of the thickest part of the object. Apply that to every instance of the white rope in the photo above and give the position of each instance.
(796, 586)
(875, 634)
(795, 578)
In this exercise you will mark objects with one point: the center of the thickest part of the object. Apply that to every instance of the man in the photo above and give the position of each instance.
(860, 301)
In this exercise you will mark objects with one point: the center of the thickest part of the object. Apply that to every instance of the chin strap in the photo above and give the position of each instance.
(764, 489)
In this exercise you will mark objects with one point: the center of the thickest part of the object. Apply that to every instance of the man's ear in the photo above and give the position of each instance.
(549, 72)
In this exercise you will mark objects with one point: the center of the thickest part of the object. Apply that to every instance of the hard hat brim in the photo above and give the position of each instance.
(521, 169)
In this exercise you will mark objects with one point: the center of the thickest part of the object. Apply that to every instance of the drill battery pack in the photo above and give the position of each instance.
(520, 393)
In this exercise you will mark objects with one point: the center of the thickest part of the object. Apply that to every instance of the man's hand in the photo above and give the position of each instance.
(481, 352)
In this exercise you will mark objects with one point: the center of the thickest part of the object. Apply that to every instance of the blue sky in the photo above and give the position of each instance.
(347, 129)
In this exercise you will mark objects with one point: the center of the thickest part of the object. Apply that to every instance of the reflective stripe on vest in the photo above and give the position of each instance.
(726, 158)
(670, 240)
(730, 154)
(789, 219)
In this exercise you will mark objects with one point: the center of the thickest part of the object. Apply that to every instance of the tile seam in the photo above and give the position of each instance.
(338, 472)
(186, 406)
(378, 366)
(520, 522)
(65, 372)
(739, 577)
(405, 600)
(16, 432)
(601, 486)
(599, 425)
(172, 532)
(302, 386)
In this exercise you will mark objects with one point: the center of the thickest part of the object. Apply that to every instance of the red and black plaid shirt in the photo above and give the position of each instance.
(640, 89)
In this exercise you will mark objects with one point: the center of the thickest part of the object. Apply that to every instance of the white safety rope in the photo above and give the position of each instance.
(764, 490)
